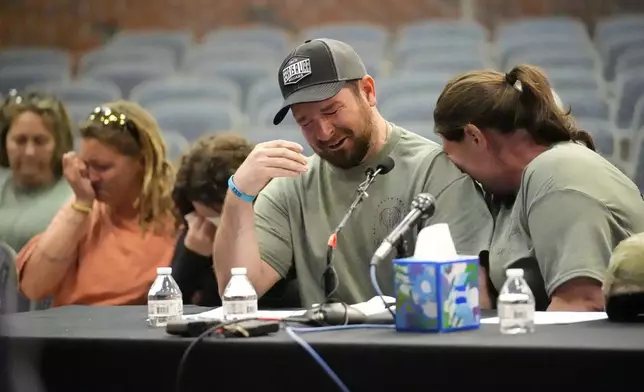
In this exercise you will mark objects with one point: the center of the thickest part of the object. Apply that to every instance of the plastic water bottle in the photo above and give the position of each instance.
(515, 304)
(240, 298)
(164, 299)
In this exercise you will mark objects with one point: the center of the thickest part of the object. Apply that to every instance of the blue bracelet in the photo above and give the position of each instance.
(239, 193)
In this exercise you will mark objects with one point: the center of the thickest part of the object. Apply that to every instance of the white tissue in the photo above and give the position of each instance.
(435, 243)
(190, 217)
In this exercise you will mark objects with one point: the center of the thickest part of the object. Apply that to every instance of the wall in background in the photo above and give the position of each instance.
(82, 24)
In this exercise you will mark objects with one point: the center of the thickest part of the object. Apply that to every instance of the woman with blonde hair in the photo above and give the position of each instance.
(35, 132)
(104, 246)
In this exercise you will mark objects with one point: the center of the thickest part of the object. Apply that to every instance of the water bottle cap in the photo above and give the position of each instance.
(164, 271)
(514, 273)
(238, 271)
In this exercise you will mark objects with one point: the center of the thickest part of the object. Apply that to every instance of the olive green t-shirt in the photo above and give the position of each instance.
(23, 214)
(572, 209)
(296, 216)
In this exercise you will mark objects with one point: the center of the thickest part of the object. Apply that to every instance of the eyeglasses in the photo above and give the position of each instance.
(108, 117)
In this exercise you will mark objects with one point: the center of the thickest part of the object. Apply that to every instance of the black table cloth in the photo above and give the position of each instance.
(79, 348)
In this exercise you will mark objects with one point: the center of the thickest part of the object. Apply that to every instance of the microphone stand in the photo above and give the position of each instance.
(330, 278)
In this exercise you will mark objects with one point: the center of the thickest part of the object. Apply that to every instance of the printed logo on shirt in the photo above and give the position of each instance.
(295, 70)
(391, 212)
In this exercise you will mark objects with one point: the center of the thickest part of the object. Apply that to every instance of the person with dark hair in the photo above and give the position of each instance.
(199, 191)
(35, 132)
(560, 208)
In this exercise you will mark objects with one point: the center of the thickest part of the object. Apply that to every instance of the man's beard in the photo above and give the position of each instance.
(346, 159)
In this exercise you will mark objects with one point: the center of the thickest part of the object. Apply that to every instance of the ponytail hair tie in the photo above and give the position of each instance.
(512, 80)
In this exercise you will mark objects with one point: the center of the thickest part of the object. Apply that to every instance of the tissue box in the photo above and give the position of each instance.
(437, 296)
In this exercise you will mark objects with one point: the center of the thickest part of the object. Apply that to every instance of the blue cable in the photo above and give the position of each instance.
(307, 347)
(343, 327)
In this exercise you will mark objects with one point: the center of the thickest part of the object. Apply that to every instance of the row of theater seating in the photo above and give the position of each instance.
(228, 81)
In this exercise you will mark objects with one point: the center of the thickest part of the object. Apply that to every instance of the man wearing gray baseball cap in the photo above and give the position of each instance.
(281, 206)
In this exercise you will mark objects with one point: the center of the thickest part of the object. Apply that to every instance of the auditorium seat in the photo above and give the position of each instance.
(176, 144)
(632, 60)
(638, 116)
(418, 107)
(554, 58)
(194, 118)
(415, 33)
(8, 280)
(422, 128)
(629, 89)
(178, 89)
(244, 74)
(20, 76)
(602, 133)
(406, 53)
(586, 106)
(266, 113)
(35, 56)
(260, 93)
(616, 25)
(359, 35)
(204, 56)
(541, 34)
(637, 168)
(129, 75)
(530, 28)
(615, 47)
(87, 92)
(178, 41)
(411, 83)
(369, 40)
(11, 300)
(443, 63)
(575, 81)
(272, 38)
(79, 111)
(137, 55)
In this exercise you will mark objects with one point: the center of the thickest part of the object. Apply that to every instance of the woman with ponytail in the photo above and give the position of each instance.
(103, 247)
(560, 208)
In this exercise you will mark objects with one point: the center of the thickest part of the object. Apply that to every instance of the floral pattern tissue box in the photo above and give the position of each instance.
(437, 296)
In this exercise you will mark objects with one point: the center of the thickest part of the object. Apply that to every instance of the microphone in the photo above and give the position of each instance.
(330, 278)
(382, 168)
(422, 207)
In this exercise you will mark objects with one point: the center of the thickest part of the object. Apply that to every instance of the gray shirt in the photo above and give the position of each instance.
(572, 209)
(295, 216)
(23, 214)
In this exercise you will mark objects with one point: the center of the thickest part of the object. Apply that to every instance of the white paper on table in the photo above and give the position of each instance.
(435, 243)
(371, 307)
(218, 314)
(551, 318)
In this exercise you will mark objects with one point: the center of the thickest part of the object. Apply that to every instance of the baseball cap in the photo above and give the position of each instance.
(315, 71)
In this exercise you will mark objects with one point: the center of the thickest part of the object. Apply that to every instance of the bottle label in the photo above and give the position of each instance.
(166, 308)
(516, 312)
(236, 309)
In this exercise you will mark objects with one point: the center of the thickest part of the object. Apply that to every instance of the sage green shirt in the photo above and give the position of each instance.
(295, 216)
(572, 209)
(25, 213)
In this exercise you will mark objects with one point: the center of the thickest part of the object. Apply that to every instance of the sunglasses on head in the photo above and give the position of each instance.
(108, 117)
(39, 100)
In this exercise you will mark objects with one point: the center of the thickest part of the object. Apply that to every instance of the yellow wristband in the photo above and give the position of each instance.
(81, 207)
